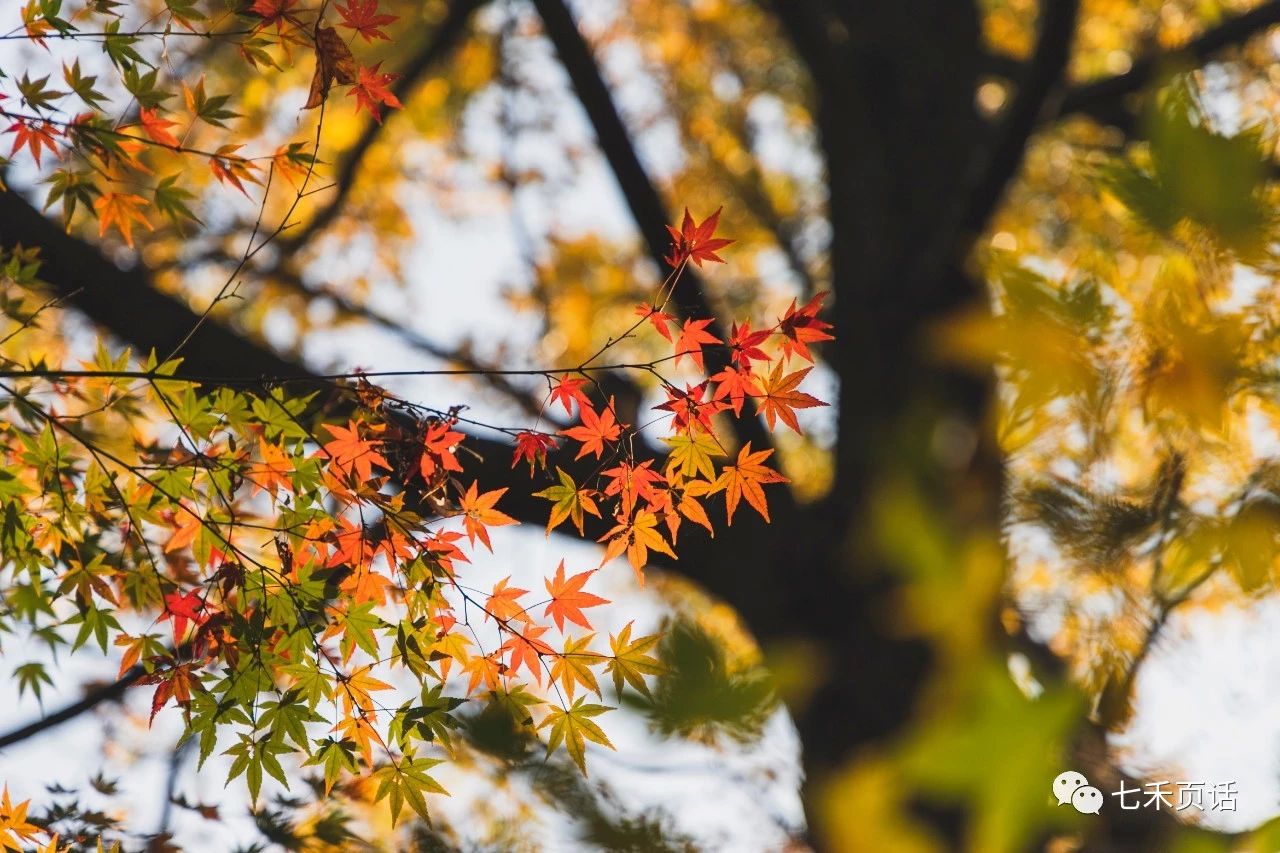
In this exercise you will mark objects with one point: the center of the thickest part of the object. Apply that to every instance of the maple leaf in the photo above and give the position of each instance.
(504, 604)
(573, 666)
(229, 168)
(568, 598)
(371, 90)
(660, 319)
(568, 389)
(744, 345)
(636, 537)
(276, 12)
(33, 135)
(632, 481)
(478, 514)
(631, 660)
(595, 430)
(779, 398)
(333, 62)
(745, 480)
(349, 454)
(691, 454)
(696, 241)
(570, 502)
(14, 826)
(184, 532)
(693, 334)
(526, 650)
(357, 687)
(439, 450)
(573, 728)
(801, 328)
(689, 408)
(273, 471)
(183, 609)
(120, 210)
(737, 384)
(157, 128)
(362, 16)
(483, 669)
(533, 447)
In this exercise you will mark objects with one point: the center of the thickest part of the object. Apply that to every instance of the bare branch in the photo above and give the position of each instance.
(1105, 99)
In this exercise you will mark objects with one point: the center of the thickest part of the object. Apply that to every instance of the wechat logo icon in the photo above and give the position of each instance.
(1072, 787)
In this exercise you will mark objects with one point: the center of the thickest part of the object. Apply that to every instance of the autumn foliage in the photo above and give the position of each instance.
(286, 566)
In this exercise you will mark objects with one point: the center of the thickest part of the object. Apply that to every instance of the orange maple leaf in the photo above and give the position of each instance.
(568, 598)
(636, 537)
(478, 514)
(693, 334)
(273, 471)
(779, 398)
(745, 480)
(120, 210)
(695, 241)
(350, 454)
(595, 430)
(526, 650)
(504, 603)
(157, 128)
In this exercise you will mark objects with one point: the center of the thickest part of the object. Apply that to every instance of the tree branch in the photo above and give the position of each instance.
(107, 693)
(1105, 99)
(646, 206)
(443, 41)
(1039, 79)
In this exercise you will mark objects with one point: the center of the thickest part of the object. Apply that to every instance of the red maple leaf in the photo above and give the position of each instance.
(660, 319)
(568, 389)
(33, 134)
(275, 12)
(533, 447)
(595, 430)
(744, 345)
(438, 450)
(801, 328)
(689, 407)
(371, 91)
(693, 334)
(362, 16)
(568, 599)
(695, 241)
(183, 609)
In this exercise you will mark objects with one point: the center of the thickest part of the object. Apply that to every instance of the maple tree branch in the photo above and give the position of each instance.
(107, 693)
(642, 198)
(1105, 99)
(441, 43)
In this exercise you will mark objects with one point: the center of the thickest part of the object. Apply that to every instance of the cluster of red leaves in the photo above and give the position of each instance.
(648, 505)
(640, 503)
